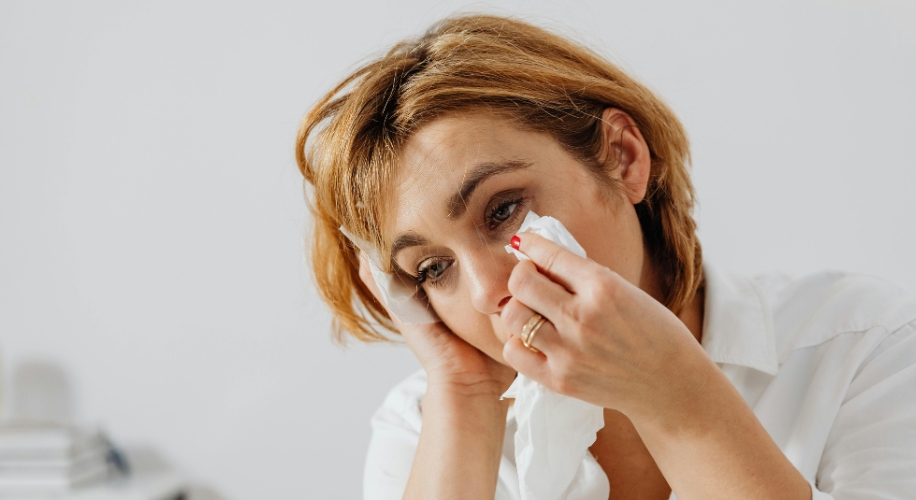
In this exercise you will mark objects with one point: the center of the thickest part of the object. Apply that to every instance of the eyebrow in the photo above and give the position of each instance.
(457, 204)
(408, 239)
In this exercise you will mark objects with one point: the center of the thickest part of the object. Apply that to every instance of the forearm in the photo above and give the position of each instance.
(711, 445)
(460, 446)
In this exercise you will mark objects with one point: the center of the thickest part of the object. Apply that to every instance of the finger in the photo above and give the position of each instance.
(558, 263)
(515, 315)
(532, 364)
(537, 291)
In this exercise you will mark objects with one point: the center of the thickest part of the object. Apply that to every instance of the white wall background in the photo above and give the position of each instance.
(151, 218)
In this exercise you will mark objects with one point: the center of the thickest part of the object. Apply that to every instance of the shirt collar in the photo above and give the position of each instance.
(738, 325)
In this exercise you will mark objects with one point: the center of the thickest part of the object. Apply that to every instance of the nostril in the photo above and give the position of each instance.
(504, 301)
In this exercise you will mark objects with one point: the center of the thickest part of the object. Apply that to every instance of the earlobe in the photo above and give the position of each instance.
(630, 152)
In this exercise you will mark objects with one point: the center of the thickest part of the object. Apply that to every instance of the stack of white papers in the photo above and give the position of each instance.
(46, 460)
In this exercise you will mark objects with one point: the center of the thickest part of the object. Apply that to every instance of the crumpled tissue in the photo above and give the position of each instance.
(555, 431)
(400, 297)
(549, 228)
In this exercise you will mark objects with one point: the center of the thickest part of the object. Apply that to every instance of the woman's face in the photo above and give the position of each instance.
(463, 188)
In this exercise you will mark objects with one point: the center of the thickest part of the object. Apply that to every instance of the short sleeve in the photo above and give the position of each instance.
(870, 452)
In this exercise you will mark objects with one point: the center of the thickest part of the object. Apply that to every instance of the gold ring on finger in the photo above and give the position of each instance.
(530, 329)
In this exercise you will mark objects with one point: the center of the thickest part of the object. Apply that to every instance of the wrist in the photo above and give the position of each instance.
(462, 407)
(688, 400)
(470, 383)
(711, 442)
(465, 389)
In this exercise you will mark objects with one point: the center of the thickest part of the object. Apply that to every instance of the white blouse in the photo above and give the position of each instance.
(827, 363)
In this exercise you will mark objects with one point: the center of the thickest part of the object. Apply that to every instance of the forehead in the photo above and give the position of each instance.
(460, 140)
(438, 156)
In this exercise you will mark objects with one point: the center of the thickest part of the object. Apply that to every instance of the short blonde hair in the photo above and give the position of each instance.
(348, 143)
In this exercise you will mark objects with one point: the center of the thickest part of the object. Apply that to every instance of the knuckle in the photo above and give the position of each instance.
(571, 310)
(520, 279)
(604, 292)
(580, 313)
(512, 313)
(549, 259)
(562, 384)
(562, 366)
(583, 317)
(515, 281)
(605, 283)
(565, 377)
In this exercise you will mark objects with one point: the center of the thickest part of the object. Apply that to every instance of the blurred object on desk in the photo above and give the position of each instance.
(150, 478)
(44, 455)
(63, 463)
(40, 459)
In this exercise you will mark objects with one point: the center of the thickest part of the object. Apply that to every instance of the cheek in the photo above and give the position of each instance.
(613, 238)
(480, 330)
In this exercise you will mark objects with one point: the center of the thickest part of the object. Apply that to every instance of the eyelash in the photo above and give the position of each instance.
(492, 224)
(423, 273)
(498, 208)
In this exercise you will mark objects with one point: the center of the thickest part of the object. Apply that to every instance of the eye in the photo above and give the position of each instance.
(431, 270)
(502, 213)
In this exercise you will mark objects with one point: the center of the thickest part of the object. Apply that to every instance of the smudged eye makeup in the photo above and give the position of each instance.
(500, 214)
(432, 269)
(502, 211)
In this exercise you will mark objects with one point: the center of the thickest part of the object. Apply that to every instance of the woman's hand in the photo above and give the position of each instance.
(464, 421)
(447, 359)
(609, 343)
(606, 341)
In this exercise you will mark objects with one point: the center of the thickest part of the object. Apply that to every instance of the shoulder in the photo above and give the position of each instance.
(401, 406)
(817, 308)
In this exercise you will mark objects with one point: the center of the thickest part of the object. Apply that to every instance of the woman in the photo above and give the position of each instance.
(712, 386)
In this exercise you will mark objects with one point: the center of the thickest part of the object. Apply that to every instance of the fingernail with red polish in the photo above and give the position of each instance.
(515, 242)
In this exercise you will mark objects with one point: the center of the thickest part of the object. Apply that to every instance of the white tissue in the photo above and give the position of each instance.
(555, 431)
(400, 298)
(549, 228)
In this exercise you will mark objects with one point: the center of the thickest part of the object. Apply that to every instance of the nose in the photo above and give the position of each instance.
(488, 277)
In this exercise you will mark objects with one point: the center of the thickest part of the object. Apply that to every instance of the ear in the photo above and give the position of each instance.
(624, 144)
